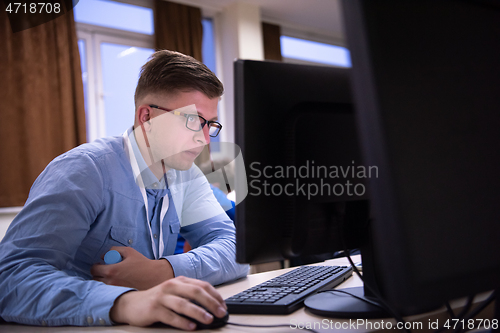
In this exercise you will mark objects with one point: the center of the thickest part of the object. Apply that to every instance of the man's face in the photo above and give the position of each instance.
(168, 137)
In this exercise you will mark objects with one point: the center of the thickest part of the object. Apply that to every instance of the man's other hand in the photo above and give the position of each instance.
(134, 271)
(166, 301)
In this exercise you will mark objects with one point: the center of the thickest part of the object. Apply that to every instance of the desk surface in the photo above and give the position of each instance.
(299, 317)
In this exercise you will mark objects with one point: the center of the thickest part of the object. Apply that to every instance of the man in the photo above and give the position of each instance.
(133, 194)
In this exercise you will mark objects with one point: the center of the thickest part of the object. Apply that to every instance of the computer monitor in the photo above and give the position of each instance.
(296, 129)
(425, 82)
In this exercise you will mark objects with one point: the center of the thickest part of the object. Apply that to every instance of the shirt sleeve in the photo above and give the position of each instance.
(35, 287)
(213, 258)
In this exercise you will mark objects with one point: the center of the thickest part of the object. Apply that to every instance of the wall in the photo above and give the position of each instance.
(6, 217)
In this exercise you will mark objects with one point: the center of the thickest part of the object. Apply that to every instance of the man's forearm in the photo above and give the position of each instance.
(134, 271)
(214, 262)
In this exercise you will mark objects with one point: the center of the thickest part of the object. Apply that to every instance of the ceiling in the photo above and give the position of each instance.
(321, 18)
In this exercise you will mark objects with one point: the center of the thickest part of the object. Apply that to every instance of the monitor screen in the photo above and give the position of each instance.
(296, 129)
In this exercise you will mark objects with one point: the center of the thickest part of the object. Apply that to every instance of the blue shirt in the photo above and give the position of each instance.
(226, 204)
(86, 201)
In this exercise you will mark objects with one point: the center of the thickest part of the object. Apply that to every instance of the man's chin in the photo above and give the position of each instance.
(179, 165)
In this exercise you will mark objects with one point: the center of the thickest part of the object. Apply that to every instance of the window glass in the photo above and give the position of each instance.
(115, 15)
(302, 49)
(208, 44)
(208, 53)
(121, 65)
(83, 64)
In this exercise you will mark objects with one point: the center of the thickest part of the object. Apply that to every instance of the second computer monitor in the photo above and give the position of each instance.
(295, 126)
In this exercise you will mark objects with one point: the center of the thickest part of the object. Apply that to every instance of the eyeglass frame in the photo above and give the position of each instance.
(186, 115)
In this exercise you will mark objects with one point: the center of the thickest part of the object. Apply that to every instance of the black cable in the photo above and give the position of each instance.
(481, 307)
(341, 214)
(267, 326)
(464, 311)
(450, 310)
(467, 306)
(384, 304)
(471, 315)
(452, 316)
(341, 217)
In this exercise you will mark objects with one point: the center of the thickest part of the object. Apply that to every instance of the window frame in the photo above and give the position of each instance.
(313, 37)
(93, 36)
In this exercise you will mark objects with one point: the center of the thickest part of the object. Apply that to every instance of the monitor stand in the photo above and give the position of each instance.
(336, 304)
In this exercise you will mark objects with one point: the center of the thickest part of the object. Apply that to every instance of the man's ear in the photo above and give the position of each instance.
(143, 116)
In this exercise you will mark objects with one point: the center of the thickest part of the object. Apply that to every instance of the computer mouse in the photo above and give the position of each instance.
(216, 323)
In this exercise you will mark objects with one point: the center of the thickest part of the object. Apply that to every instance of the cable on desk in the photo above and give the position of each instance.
(340, 215)
(467, 306)
(464, 311)
(383, 303)
(450, 310)
(482, 306)
(471, 315)
(268, 326)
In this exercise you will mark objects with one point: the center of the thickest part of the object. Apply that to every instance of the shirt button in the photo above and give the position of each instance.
(102, 321)
(155, 236)
(155, 185)
(90, 320)
(130, 241)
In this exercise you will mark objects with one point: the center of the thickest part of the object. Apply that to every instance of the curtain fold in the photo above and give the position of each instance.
(178, 28)
(42, 106)
(271, 34)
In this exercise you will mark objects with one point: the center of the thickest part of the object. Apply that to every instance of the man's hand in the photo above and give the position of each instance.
(166, 301)
(135, 270)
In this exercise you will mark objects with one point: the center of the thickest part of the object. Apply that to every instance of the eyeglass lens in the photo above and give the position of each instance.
(196, 123)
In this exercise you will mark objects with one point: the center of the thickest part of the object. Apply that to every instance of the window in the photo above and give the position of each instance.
(83, 62)
(208, 53)
(306, 51)
(115, 40)
(115, 15)
(120, 71)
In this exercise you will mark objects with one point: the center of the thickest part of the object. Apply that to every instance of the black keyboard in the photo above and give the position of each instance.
(286, 293)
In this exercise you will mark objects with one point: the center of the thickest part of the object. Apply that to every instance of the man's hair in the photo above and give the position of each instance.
(169, 72)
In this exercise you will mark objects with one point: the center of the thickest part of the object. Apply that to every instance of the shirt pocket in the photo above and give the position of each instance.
(122, 236)
(171, 241)
(175, 227)
(117, 236)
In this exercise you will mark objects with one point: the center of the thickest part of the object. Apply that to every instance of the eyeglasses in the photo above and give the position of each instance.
(195, 122)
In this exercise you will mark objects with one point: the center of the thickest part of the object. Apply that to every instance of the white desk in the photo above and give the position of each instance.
(300, 316)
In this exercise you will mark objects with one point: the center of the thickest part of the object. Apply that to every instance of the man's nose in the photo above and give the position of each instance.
(202, 136)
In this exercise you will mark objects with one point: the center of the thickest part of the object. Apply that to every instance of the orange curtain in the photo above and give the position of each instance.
(42, 106)
(178, 28)
(271, 34)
